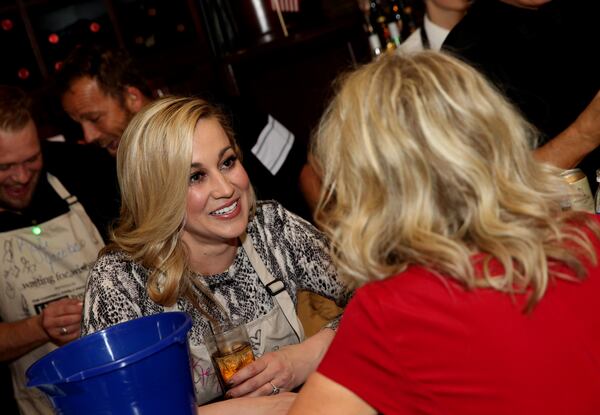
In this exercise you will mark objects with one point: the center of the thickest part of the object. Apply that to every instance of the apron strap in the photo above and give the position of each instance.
(274, 286)
(77, 208)
(60, 189)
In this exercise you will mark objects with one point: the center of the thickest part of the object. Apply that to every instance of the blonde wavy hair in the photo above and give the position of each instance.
(153, 167)
(425, 163)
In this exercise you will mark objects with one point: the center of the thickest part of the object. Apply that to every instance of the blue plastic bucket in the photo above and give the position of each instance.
(138, 367)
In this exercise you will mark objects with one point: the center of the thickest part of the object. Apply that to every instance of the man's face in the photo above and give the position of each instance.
(102, 117)
(20, 165)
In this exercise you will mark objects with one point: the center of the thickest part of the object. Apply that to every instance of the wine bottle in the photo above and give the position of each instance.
(379, 23)
(402, 13)
(395, 14)
(373, 37)
(395, 38)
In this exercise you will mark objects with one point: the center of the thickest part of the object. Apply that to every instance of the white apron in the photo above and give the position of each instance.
(278, 328)
(39, 269)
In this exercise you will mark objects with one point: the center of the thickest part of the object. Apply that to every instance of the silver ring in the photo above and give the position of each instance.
(275, 390)
(64, 331)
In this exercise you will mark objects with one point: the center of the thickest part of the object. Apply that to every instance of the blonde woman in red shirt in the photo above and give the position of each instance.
(479, 291)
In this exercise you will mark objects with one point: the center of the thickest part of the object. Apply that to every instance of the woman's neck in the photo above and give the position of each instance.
(212, 259)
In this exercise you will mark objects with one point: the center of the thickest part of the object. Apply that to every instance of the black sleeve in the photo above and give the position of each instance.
(89, 173)
(518, 50)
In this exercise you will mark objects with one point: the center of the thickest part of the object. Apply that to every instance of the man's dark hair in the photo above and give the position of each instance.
(15, 108)
(113, 69)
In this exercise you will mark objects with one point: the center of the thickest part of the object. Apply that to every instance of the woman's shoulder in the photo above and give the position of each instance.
(271, 212)
(113, 261)
(270, 215)
(269, 208)
(271, 218)
(117, 270)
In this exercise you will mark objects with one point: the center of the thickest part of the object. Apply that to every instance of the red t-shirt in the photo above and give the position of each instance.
(418, 343)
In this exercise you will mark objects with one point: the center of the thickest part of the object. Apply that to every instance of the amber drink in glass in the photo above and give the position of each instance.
(230, 350)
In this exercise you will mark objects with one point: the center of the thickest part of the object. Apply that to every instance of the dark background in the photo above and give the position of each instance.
(213, 48)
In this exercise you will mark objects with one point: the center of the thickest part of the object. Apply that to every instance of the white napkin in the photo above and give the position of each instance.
(273, 145)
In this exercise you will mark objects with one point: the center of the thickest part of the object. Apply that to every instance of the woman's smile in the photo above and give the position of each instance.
(228, 211)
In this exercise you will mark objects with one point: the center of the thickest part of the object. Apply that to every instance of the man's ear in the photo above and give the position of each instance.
(134, 99)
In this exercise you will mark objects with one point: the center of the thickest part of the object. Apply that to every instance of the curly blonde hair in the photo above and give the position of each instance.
(425, 163)
(153, 167)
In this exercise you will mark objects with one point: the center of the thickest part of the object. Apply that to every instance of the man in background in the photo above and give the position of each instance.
(540, 54)
(440, 17)
(102, 90)
(56, 201)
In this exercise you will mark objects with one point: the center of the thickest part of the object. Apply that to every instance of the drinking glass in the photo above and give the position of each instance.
(230, 350)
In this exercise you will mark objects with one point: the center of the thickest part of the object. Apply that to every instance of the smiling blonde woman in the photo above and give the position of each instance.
(192, 237)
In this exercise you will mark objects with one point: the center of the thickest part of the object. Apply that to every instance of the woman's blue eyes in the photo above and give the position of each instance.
(226, 165)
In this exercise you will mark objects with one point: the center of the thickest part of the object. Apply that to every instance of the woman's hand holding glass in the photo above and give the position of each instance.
(267, 375)
(281, 370)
